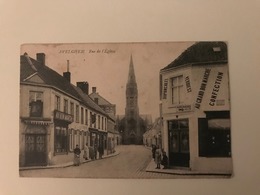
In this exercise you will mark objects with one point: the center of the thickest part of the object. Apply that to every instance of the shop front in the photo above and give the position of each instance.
(178, 133)
(34, 147)
(61, 132)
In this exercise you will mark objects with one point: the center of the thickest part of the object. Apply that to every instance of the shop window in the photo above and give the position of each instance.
(71, 140)
(35, 104)
(60, 139)
(214, 137)
(177, 90)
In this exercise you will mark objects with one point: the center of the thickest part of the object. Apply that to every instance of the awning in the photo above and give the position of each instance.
(30, 121)
(219, 124)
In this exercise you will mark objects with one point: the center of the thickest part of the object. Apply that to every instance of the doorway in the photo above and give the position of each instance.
(179, 151)
(35, 149)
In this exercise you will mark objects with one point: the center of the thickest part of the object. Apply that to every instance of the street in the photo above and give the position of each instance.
(130, 163)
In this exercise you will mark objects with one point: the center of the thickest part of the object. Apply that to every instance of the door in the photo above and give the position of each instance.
(179, 152)
(35, 149)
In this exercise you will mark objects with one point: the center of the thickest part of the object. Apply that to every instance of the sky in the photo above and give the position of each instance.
(106, 65)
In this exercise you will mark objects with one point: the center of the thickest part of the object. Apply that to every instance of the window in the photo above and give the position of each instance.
(82, 115)
(98, 121)
(86, 117)
(214, 137)
(72, 110)
(177, 90)
(57, 102)
(102, 123)
(35, 104)
(105, 123)
(77, 113)
(66, 106)
(60, 139)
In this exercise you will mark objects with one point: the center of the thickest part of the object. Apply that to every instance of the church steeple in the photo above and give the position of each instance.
(131, 73)
(132, 109)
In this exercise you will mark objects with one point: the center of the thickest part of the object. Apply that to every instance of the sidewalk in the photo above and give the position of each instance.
(181, 171)
(67, 164)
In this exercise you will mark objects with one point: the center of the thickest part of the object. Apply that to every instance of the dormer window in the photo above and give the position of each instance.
(216, 49)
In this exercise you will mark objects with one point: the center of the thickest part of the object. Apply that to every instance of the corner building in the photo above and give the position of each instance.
(195, 99)
(55, 115)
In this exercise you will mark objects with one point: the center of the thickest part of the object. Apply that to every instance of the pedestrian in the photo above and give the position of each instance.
(153, 150)
(86, 152)
(95, 151)
(164, 160)
(100, 151)
(77, 155)
(158, 155)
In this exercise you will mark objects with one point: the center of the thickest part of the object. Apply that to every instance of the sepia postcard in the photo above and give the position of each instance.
(125, 110)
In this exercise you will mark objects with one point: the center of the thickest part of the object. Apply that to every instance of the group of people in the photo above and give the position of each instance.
(160, 157)
(89, 153)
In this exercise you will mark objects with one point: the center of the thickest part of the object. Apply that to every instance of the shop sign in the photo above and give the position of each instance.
(63, 116)
(165, 85)
(202, 88)
(215, 89)
(183, 108)
(188, 85)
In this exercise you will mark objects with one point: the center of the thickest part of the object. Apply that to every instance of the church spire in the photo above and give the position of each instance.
(131, 73)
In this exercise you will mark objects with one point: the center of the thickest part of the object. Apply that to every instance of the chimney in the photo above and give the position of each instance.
(67, 74)
(83, 86)
(41, 58)
(94, 89)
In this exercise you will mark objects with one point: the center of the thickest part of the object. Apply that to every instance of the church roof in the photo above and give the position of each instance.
(201, 53)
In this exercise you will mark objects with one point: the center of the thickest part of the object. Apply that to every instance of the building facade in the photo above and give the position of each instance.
(113, 136)
(196, 109)
(55, 115)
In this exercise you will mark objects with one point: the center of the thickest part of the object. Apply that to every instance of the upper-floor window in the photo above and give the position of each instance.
(177, 90)
(36, 103)
(82, 115)
(72, 110)
(102, 122)
(57, 102)
(86, 117)
(77, 113)
(98, 122)
(66, 106)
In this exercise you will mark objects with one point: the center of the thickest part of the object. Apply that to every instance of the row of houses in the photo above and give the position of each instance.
(56, 115)
(195, 110)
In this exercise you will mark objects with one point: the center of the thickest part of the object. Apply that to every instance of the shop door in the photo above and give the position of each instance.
(35, 149)
(179, 152)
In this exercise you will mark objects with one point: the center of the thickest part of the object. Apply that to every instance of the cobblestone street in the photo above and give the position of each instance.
(130, 163)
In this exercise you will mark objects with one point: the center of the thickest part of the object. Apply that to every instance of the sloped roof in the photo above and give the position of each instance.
(101, 101)
(88, 101)
(201, 52)
(50, 77)
(30, 66)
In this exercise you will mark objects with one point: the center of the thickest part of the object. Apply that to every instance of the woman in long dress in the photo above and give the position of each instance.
(77, 156)
(86, 152)
(158, 156)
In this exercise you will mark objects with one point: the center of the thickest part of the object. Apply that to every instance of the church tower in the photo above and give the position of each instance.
(132, 133)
